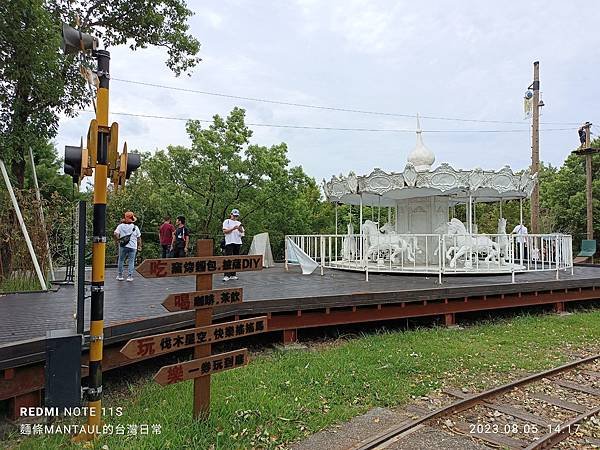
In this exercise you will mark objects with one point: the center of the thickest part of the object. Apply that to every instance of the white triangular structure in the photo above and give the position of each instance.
(262, 246)
(295, 255)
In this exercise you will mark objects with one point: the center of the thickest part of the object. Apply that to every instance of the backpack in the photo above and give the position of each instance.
(124, 240)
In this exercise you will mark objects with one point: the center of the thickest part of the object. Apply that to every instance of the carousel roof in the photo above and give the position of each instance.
(380, 188)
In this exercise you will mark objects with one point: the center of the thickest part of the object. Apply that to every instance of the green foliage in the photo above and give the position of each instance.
(48, 167)
(564, 195)
(137, 23)
(30, 80)
(37, 82)
(222, 170)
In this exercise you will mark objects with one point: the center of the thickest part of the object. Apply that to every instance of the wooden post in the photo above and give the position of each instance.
(535, 149)
(204, 247)
(290, 336)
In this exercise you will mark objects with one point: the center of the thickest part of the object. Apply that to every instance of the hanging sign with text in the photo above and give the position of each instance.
(203, 299)
(178, 340)
(178, 267)
(201, 367)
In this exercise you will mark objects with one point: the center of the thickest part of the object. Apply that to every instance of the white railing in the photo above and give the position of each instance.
(439, 254)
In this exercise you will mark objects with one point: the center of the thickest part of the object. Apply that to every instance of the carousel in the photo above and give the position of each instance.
(413, 228)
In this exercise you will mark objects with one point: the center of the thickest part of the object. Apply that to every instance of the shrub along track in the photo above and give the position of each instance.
(535, 412)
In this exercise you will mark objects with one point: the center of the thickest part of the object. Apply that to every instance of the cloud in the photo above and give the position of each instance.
(466, 59)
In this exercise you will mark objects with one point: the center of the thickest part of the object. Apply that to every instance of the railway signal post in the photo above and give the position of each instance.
(100, 157)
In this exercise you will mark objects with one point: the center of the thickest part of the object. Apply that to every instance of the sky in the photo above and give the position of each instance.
(462, 59)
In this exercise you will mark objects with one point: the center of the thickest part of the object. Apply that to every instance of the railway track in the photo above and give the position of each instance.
(535, 412)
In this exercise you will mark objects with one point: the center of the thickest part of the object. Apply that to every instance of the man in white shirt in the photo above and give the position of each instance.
(127, 234)
(521, 241)
(234, 231)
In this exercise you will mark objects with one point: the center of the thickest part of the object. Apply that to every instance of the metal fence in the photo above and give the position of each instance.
(438, 253)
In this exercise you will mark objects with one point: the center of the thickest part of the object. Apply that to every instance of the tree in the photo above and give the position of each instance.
(222, 170)
(564, 197)
(37, 83)
(29, 90)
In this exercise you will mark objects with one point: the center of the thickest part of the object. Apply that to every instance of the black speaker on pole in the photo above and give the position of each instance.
(74, 41)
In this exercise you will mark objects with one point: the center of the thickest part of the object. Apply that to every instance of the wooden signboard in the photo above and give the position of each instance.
(178, 340)
(178, 267)
(201, 337)
(202, 299)
(201, 367)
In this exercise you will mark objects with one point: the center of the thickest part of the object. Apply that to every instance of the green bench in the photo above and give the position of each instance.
(588, 248)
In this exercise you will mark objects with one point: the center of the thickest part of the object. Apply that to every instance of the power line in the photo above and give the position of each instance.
(309, 127)
(327, 108)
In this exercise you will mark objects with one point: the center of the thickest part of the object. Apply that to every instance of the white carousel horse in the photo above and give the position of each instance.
(377, 242)
(468, 243)
(503, 239)
(349, 244)
(405, 241)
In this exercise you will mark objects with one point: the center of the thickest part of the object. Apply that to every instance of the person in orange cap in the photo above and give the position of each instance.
(129, 236)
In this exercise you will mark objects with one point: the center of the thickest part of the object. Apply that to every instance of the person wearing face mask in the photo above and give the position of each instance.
(234, 231)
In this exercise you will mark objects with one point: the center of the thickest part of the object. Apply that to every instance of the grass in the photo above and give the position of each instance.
(283, 396)
(19, 284)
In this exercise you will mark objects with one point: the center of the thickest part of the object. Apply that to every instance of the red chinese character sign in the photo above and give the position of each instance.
(203, 300)
(201, 367)
(177, 267)
(178, 340)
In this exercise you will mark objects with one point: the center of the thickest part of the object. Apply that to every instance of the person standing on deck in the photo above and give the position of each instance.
(165, 233)
(130, 241)
(521, 247)
(234, 231)
(180, 239)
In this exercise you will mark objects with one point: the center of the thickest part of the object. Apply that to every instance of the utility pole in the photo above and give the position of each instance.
(535, 149)
(586, 150)
(588, 183)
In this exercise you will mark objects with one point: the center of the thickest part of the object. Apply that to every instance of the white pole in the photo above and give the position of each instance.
(23, 228)
(322, 250)
(470, 214)
(390, 215)
(360, 229)
(360, 216)
(501, 208)
(521, 211)
(39, 199)
(522, 240)
(336, 218)
(557, 257)
(285, 264)
(475, 213)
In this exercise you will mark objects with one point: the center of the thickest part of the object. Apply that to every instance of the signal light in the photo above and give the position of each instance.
(72, 164)
(134, 161)
(74, 41)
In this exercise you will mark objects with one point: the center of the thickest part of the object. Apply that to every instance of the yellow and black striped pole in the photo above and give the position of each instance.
(94, 392)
